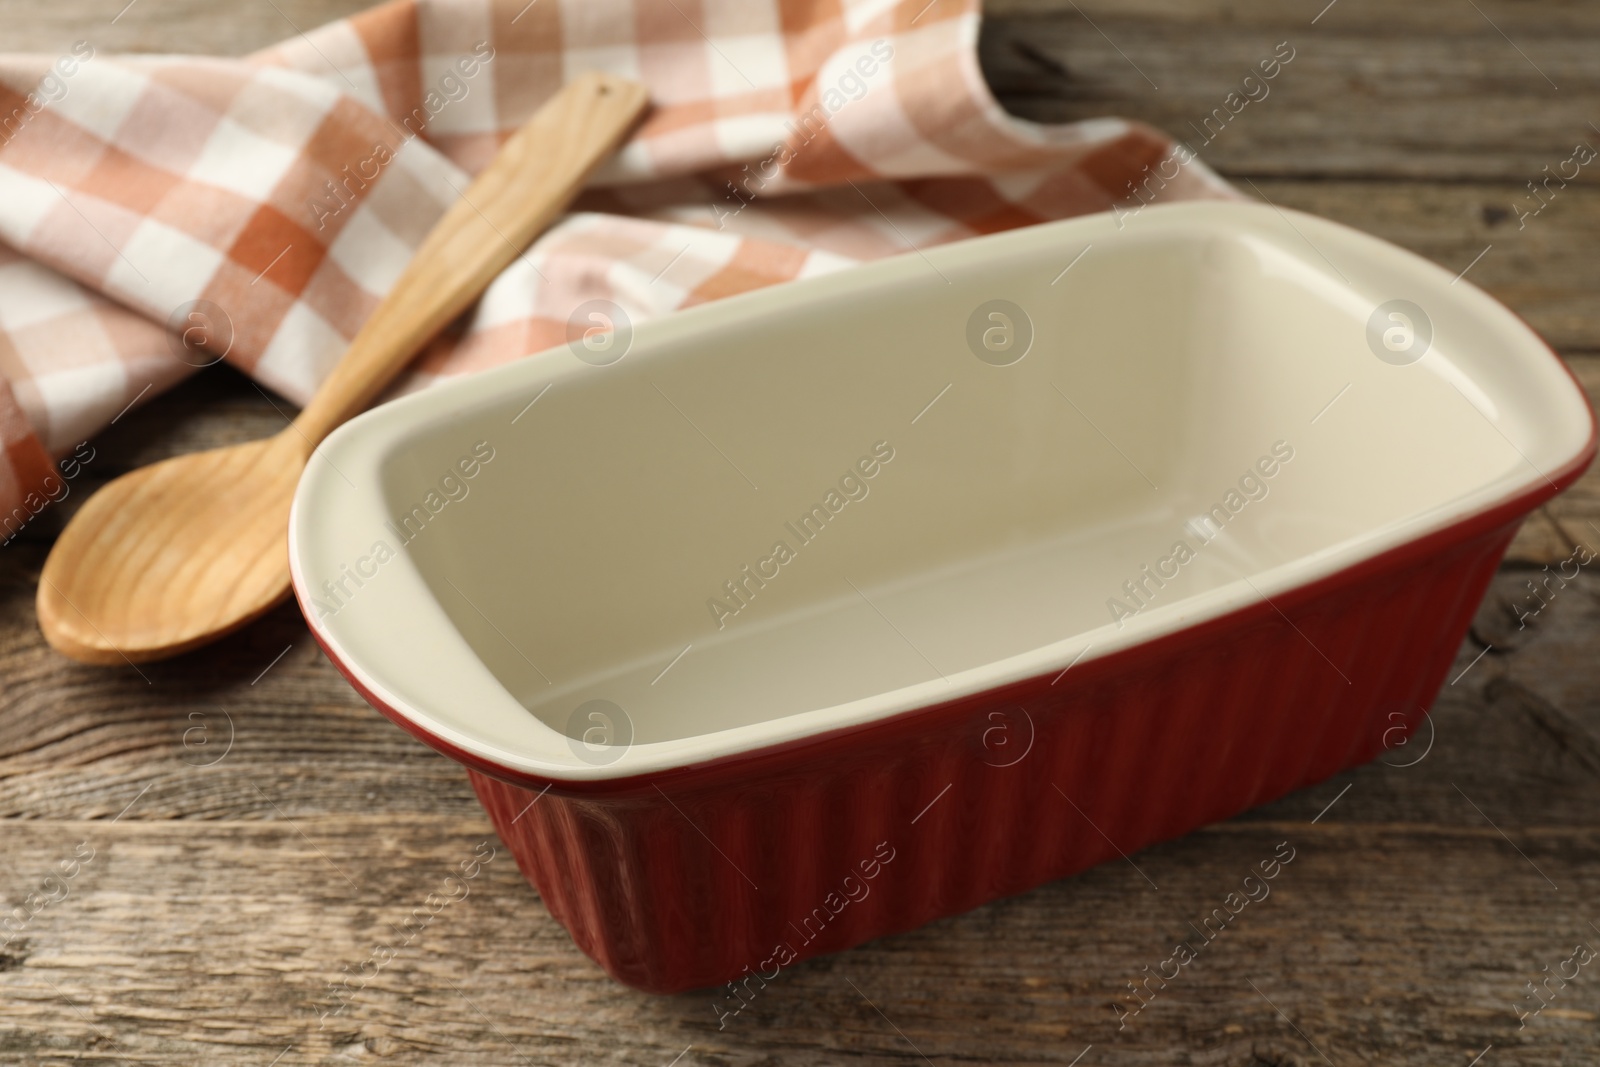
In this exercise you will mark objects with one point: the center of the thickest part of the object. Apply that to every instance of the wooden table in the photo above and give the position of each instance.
(256, 831)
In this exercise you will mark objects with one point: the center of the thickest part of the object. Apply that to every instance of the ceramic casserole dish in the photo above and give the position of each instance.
(814, 614)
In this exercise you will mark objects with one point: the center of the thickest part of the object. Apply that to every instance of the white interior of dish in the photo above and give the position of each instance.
(1184, 353)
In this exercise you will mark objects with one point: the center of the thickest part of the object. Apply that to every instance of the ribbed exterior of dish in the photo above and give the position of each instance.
(704, 877)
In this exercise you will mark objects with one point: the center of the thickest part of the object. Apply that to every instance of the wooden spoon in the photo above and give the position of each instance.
(177, 554)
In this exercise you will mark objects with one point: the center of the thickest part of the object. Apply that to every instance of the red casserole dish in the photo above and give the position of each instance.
(822, 612)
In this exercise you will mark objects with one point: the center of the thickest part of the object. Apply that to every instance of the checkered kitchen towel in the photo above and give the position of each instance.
(261, 206)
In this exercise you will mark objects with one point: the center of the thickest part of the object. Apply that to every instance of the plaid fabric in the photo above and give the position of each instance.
(285, 192)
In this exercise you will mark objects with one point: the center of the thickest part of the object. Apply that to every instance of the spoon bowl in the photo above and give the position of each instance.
(182, 552)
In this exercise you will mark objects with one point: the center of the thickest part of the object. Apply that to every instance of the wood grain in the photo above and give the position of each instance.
(221, 905)
(1434, 91)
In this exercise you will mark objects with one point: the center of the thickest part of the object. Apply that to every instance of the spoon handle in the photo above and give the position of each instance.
(534, 176)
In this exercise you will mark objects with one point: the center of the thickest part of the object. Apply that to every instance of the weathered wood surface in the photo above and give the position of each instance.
(279, 831)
